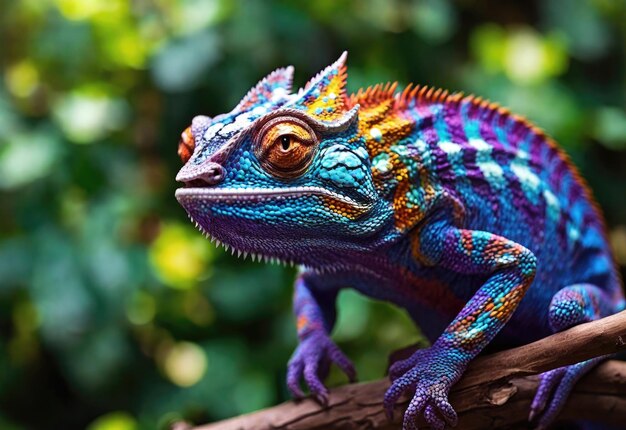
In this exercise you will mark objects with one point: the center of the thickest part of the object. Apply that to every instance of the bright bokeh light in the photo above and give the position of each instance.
(185, 364)
(114, 421)
(180, 255)
(89, 9)
(22, 78)
(524, 55)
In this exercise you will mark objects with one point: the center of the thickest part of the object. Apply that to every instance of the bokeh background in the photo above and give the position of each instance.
(115, 314)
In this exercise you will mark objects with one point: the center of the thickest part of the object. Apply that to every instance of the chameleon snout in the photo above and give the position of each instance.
(208, 174)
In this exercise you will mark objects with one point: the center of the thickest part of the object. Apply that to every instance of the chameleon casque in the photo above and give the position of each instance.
(465, 215)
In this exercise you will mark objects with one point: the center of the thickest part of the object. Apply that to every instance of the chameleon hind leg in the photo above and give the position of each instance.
(570, 306)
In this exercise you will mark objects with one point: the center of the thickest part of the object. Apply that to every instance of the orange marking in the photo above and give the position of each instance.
(468, 241)
(186, 145)
(342, 208)
(302, 322)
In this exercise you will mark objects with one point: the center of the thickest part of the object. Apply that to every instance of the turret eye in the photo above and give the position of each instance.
(285, 147)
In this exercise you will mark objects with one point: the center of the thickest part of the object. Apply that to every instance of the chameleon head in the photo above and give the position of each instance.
(283, 175)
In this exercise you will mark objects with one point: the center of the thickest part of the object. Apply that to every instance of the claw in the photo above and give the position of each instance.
(322, 398)
(343, 363)
(294, 369)
(534, 413)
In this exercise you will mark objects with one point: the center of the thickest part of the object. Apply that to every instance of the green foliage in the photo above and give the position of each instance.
(115, 314)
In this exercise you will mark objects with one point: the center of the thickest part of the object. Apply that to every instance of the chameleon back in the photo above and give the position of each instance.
(509, 177)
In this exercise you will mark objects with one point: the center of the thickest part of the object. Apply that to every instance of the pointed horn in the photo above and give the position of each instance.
(274, 88)
(324, 96)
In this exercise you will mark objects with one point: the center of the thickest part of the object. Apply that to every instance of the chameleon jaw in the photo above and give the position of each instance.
(190, 197)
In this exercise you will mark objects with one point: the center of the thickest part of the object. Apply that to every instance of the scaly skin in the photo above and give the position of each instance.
(465, 215)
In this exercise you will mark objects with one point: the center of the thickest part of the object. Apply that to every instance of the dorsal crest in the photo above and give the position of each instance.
(373, 95)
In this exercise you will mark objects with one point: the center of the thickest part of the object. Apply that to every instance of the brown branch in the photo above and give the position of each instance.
(495, 392)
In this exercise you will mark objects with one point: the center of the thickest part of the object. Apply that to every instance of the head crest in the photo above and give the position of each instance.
(324, 96)
(274, 89)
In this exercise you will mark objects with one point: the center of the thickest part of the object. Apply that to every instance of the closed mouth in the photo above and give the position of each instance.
(252, 195)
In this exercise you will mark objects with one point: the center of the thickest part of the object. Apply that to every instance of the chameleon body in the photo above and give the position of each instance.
(460, 212)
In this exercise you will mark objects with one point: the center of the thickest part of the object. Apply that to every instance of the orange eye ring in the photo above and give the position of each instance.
(186, 145)
(285, 146)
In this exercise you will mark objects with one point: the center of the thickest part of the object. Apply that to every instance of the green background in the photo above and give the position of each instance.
(115, 314)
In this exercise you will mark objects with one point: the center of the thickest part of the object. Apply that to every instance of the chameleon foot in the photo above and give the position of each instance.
(312, 360)
(554, 388)
(430, 374)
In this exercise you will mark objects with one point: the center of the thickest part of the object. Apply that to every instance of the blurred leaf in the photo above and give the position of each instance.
(243, 295)
(587, 35)
(96, 358)
(488, 44)
(15, 264)
(352, 316)
(609, 127)
(434, 19)
(28, 156)
(253, 391)
(182, 63)
(86, 116)
(58, 292)
(141, 308)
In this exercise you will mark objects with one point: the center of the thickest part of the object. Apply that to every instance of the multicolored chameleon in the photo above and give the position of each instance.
(467, 216)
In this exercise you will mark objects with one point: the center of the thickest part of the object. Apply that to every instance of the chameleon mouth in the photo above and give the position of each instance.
(254, 195)
(235, 239)
(190, 196)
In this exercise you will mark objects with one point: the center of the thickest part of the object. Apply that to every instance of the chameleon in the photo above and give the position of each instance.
(449, 206)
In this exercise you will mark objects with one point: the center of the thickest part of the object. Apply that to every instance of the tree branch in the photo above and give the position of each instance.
(495, 391)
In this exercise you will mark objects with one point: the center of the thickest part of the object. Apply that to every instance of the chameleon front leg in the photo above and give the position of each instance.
(314, 308)
(433, 371)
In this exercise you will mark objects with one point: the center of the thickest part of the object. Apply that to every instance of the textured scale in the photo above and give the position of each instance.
(449, 206)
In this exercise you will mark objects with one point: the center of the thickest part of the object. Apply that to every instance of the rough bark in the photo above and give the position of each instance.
(495, 392)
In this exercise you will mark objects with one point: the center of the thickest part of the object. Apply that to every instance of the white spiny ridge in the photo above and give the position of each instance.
(243, 254)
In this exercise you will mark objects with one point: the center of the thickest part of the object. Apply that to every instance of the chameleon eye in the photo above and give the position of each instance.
(186, 145)
(285, 147)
